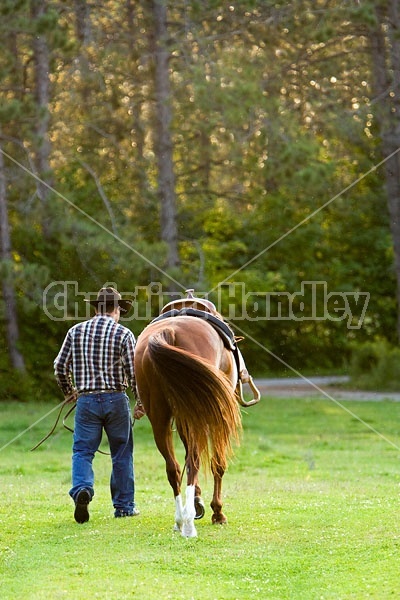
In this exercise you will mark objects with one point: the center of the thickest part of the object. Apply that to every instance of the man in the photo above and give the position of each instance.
(95, 366)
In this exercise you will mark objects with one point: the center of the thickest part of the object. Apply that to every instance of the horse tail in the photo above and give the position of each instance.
(201, 398)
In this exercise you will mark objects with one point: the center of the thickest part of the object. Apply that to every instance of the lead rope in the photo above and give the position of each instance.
(67, 414)
(72, 431)
(46, 437)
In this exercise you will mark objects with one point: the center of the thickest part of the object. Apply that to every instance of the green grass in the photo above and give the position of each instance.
(312, 499)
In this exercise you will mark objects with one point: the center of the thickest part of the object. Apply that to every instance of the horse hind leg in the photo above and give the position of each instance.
(194, 507)
(186, 514)
(189, 513)
(164, 442)
(218, 516)
(174, 478)
(193, 472)
(178, 513)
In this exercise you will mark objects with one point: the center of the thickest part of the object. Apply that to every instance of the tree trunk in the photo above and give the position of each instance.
(16, 358)
(138, 126)
(163, 147)
(82, 28)
(42, 97)
(385, 47)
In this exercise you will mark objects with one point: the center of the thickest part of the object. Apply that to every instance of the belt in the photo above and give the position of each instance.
(104, 391)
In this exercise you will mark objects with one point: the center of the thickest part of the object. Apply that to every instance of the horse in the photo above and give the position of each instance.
(187, 378)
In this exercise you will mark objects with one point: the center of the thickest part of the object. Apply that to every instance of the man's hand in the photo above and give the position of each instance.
(138, 411)
(71, 397)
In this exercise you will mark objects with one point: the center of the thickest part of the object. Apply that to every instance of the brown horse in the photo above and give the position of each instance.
(186, 375)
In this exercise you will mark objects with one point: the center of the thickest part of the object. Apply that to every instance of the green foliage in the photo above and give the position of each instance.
(273, 118)
(375, 366)
(364, 13)
(16, 386)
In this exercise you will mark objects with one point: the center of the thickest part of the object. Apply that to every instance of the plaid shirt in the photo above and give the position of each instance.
(99, 354)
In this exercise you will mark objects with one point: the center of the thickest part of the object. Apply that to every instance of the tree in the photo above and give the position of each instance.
(384, 39)
(163, 142)
(42, 20)
(8, 289)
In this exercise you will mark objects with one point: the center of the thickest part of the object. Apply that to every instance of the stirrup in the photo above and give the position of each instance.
(254, 389)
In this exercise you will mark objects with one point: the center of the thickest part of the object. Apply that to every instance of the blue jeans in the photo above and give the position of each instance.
(112, 412)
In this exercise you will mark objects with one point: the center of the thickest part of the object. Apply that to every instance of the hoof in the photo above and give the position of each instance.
(199, 506)
(188, 531)
(219, 520)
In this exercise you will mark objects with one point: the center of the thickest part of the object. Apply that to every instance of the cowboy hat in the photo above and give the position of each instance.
(110, 296)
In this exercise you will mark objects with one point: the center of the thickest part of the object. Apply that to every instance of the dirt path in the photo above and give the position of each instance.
(321, 387)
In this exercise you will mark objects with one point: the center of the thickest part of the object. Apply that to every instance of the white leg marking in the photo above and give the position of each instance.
(189, 513)
(178, 513)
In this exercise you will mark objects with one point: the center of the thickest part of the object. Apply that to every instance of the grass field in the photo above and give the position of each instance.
(312, 499)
